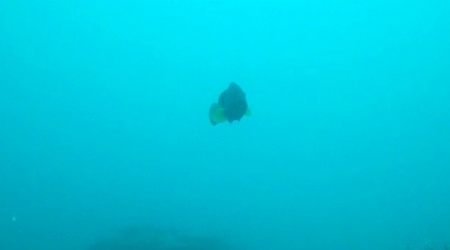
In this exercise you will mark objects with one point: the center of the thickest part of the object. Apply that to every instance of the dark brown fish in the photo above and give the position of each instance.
(231, 106)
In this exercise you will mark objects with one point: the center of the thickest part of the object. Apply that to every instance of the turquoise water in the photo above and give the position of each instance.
(104, 123)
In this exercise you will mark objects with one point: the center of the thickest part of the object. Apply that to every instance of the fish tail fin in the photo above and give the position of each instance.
(217, 114)
(248, 112)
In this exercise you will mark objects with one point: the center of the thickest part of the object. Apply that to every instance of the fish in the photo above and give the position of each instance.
(231, 106)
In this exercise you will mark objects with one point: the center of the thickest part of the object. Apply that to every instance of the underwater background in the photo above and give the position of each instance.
(105, 136)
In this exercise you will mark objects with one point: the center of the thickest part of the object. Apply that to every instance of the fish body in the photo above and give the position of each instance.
(231, 106)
